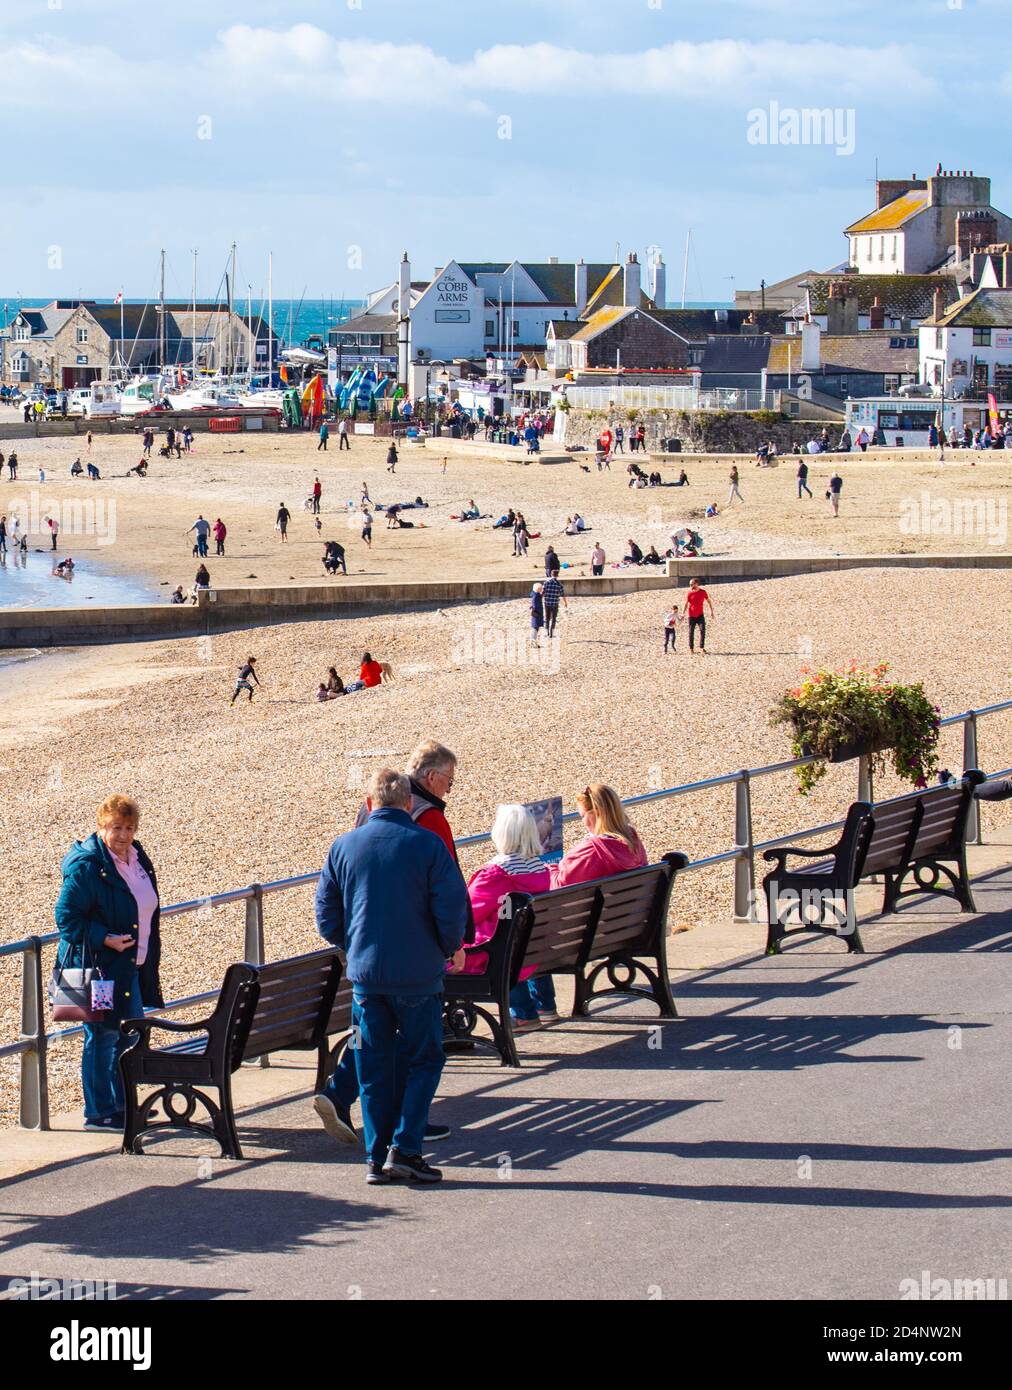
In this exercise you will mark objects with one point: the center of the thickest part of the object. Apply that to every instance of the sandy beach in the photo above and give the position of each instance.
(138, 528)
(257, 792)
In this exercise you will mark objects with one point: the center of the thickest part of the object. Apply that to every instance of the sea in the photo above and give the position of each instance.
(295, 320)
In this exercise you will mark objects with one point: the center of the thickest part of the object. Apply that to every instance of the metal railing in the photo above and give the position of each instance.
(34, 1041)
(671, 398)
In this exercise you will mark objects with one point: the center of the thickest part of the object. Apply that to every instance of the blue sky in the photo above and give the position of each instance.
(338, 134)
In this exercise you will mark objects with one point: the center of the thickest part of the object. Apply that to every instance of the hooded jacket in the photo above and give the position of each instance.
(597, 856)
(486, 889)
(94, 903)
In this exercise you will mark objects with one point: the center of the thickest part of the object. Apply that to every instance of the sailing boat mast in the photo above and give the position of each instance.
(270, 318)
(193, 325)
(250, 354)
(231, 310)
(685, 266)
(161, 317)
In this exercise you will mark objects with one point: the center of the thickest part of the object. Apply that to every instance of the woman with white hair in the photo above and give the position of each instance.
(516, 868)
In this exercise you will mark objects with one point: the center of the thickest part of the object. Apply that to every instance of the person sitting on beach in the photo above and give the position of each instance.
(505, 522)
(76, 469)
(611, 845)
(579, 522)
(517, 867)
(64, 569)
(202, 580)
(392, 515)
(334, 685)
(635, 556)
(655, 480)
(141, 469)
(683, 479)
(471, 512)
(93, 471)
(371, 672)
(323, 694)
(712, 509)
(177, 595)
(651, 557)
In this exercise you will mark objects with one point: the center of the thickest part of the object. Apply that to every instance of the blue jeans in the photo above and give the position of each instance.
(387, 1023)
(100, 1074)
(531, 997)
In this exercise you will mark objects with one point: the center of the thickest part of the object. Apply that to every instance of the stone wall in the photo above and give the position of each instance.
(701, 431)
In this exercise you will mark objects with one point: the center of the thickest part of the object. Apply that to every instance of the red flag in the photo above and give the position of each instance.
(992, 410)
(119, 298)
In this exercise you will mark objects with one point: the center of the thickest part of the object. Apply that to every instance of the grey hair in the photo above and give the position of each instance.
(388, 787)
(515, 831)
(429, 756)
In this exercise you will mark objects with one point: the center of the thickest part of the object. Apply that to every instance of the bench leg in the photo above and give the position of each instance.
(662, 986)
(581, 993)
(774, 931)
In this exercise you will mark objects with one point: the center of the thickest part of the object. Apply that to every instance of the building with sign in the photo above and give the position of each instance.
(479, 310)
(72, 342)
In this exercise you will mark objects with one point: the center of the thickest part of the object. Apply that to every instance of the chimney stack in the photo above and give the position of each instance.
(876, 315)
(581, 287)
(811, 347)
(658, 281)
(938, 303)
(631, 282)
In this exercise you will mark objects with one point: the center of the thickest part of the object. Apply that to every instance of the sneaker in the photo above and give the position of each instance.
(375, 1175)
(106, 1124)
(526, 1025)
(434, 1133)
(548, 1015)
(336, 1119)
(412, 1167)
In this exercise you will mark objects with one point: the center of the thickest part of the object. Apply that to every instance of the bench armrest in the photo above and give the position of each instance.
(143, 1026)
(779, 856)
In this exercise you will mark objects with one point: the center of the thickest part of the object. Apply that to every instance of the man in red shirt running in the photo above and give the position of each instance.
(694, 602)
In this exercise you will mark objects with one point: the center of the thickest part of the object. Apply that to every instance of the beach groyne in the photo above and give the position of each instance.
(222, 610)
(741, 568)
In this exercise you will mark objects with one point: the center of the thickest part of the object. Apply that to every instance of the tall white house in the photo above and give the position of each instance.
(968, 345)
(922, 225)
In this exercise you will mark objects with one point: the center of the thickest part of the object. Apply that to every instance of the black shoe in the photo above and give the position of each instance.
(412, 1167)
(376, 1175)
(107, 1124)
(336, 1119)
(433, 1133)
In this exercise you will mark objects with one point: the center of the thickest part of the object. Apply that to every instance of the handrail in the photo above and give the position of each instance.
(34, 1042)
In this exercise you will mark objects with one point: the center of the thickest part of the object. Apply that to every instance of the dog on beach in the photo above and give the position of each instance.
(386, 672)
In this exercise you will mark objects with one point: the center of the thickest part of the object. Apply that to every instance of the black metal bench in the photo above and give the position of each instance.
(287, 1006)
(608, 927)
(921, 835)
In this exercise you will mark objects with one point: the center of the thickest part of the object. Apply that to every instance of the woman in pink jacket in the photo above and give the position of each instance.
(517, 867)
(610, 846)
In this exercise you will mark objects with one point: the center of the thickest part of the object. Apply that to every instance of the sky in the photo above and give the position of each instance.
(337, 134)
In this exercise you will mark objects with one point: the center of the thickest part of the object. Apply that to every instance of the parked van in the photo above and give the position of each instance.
(79, 401)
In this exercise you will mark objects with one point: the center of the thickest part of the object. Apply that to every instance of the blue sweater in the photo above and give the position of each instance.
(392, 898)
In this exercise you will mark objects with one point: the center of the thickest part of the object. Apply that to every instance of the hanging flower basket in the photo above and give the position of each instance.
(855, 711)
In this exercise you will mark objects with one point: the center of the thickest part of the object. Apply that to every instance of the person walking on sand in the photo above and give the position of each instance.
(734, 490)
(671, 627)
(324, 436)
(835, 488)
(537, 612)
(284, 516)
(367, 527)
(12, 465)
(444, 465)
(220, 531)
(54, 529)
(803, 479)
(201, 528)
(247, 673)
(552, 593)
(597, 558)
(392, 458)
(317, 494)
(343, 442)
(695, 599)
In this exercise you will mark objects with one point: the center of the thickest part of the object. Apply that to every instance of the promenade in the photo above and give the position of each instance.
(813, 1126)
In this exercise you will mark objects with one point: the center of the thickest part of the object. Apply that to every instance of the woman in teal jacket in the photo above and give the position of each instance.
(107, 914)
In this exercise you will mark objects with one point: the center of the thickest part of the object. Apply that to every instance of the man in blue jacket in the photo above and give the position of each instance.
(392, 898)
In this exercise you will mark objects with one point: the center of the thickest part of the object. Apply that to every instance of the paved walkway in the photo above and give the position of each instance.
(813, 1126)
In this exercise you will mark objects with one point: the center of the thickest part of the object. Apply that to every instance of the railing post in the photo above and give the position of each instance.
(865, 781)
(970, 759)
(34, 1101)
(253, 943)
(744, 865)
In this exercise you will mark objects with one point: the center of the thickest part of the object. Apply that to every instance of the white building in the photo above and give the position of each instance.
(921, 225)
(968, 345)
(475, 310)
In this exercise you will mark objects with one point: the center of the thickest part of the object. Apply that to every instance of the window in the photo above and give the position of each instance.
(891, 382)
(516, 328)
(938, 339)
(982, 337)
(490, 328)
(82, 335)
(895, 244)
(22, 333)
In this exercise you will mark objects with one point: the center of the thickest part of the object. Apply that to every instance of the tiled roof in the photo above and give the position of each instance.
(697, 325)
(981, 309)
(600, 321)
(564, 328)
(894, 214)
(731, 353)
(557, 282)
(901, 296)
(367, 323)
(852, 352)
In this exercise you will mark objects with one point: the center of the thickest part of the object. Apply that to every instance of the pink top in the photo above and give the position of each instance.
(597, 856)
(136, 879)
(487, 889)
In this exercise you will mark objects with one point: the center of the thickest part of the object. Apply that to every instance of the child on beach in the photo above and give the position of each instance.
(246, 674)
(670, 627)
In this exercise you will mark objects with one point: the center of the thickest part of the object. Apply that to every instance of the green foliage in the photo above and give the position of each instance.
(858, 705)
